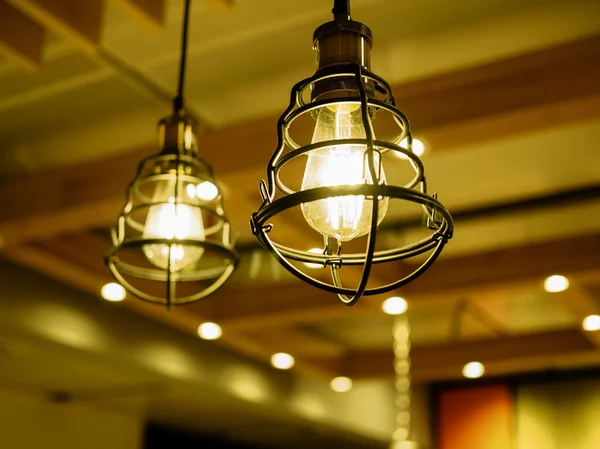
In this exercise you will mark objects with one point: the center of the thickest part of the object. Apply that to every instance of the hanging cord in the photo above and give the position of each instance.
(341, 9)
(178, 100)
(402, 382)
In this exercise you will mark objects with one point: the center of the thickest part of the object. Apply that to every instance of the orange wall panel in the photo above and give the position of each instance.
(476, 418)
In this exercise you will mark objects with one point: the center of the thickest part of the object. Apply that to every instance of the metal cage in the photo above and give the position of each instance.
(374, 95)
(128, 259)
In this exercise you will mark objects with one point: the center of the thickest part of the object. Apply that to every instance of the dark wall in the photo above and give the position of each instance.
(159, 437)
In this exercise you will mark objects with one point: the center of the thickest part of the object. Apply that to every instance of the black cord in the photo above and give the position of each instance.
(178, 100)
(341, 9)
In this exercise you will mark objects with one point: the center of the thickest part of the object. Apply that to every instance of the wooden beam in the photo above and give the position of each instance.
(524, 353)
(581, 303)
(21, 39)
(77, 21)
(70, 191)
(480, 276)
(148, 13)
(508, 267)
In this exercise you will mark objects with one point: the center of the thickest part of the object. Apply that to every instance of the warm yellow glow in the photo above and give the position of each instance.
(210, 331)
(556, 283)
(113, 292)
(591, 323)
(207, 191)
(314, 251)
(341, 384)
(348, 217)
(394, 305)
(473, 370)
(282, 360)
(418, 148)
(173, 222)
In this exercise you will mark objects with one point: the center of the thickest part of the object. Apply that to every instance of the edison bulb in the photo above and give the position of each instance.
(172, 221)
(344, 217)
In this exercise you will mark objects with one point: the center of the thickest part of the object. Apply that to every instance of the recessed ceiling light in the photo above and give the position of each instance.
(341, 384)
(591, 323)
(210, 331)
(473, 370)
(418, 148)
(113, 292)
(282, 360)
(395, 305)
(314, 251)
(556, 283)
(207, 191)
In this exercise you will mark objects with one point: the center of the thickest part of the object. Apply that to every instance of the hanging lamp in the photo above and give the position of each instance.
(172, 243)
(343, 193)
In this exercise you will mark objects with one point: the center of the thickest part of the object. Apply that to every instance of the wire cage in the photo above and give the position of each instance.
(173, 242)
(368, 96)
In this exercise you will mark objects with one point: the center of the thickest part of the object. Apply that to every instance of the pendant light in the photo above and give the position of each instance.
(343, 193)
(172, 243)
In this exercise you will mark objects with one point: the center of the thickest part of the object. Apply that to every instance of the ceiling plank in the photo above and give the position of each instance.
(523, 353)
(151, 14)
(21, 39)
(538, 80)
(77, 21)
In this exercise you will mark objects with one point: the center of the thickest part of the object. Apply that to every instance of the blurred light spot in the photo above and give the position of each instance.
(556, 283)
(207, 191)
(418, 148)
(473, 370)
(282, 360)
(591, 323)
(395, 305)
(341, 384)
(210, 331)
(113, 292)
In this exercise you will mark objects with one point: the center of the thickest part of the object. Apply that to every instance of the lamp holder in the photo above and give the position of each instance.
(177, 133)
(339, 42)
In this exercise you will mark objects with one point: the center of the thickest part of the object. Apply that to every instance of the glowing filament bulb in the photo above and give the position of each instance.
(344, 217)
(173, 220)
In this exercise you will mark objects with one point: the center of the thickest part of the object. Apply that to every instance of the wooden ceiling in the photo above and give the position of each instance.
(24, 24)
(51, 219)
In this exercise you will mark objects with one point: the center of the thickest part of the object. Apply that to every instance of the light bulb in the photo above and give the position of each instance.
(172, 221)
(347, 217)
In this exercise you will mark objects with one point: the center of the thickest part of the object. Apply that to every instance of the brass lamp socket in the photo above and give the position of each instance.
(177, 134)
(338, 42)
